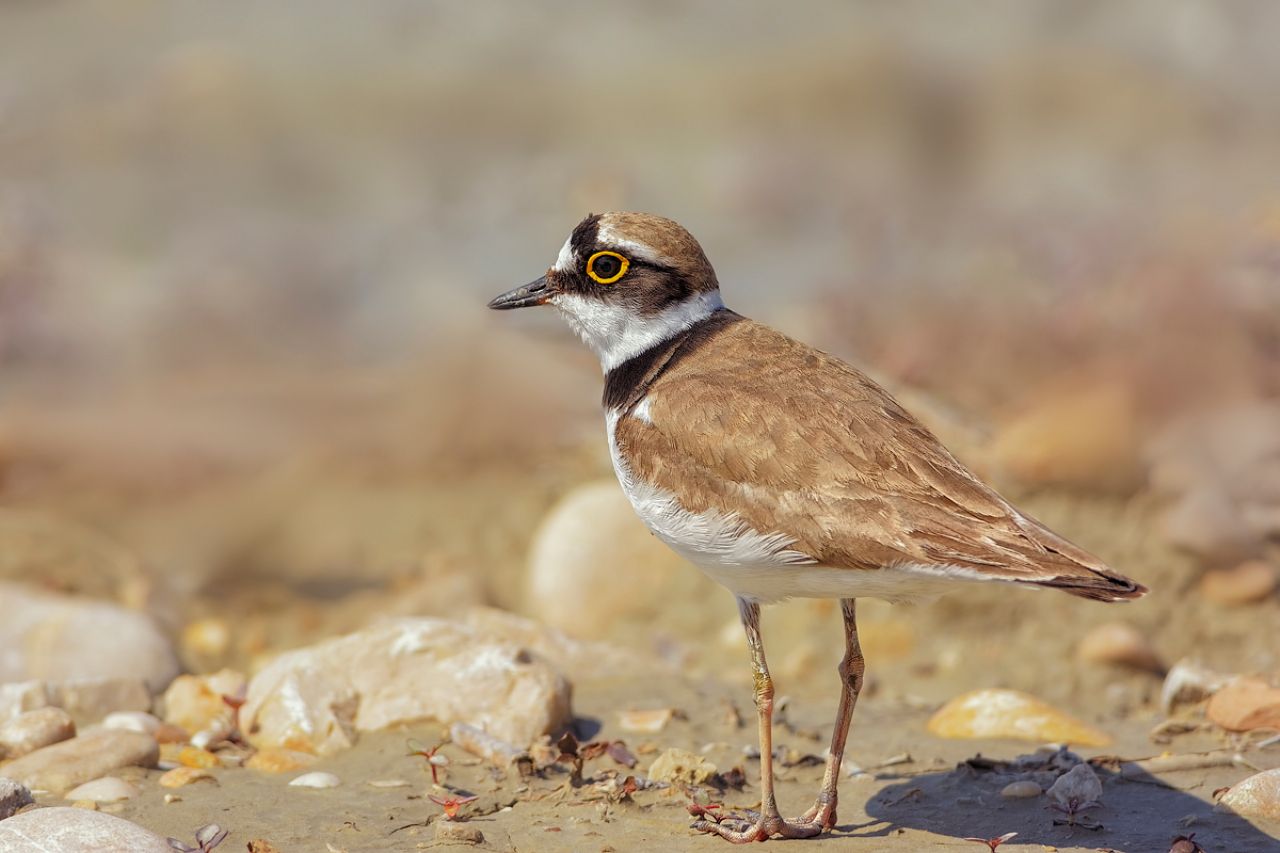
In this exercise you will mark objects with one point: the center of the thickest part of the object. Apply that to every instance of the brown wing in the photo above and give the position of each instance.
(810, 447)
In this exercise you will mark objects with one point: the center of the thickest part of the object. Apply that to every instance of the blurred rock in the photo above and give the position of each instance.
(205, 644)
(1079, 786)
(649, 721)
(33, 730)
(1248, 583)
(13, 796)
(1119, 643)
(456, 832)
(71, 830)
(995, 713)
(316, 699)
(91, 699)
(132, 721)
(1082, 437)
(1021, 789)
(108, 789)
(1221, 475)
(21, 696)
(180, 776)
(1255, 797)
(1244, 704)
(575, 658)
(60, 638)
(70, 557)
(195, 703)
(593, 562)
(64, 765)
(681, 767)
(1189, 681)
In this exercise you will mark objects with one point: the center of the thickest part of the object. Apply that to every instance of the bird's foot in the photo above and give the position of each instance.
(821, 814)
(739, 830)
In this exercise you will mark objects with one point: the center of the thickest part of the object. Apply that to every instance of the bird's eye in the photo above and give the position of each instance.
(607, 267)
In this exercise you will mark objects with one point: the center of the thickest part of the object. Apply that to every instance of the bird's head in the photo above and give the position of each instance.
(625, 282)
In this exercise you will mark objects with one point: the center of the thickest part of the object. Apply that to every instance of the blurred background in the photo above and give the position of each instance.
(249, 383)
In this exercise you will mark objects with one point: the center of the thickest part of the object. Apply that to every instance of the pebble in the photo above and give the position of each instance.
(1119, 643)
(132, 721)
(680, 766)
(108, 789)
(191, 756)
(29, 731)
(21, 696)
(1245, 704)
(273, 760)
(316, 779)
(995, 713)
(1250, 582)
(1189, 681)
(648, 722)
(194, 702)
(60, 638)
(13, 796)
(452, 830)
(403, 670)
(1021, 789)
(71, 830)
(64, 765)
(592, 563)
(1080, 784)
(205, 642)
(388, 783)
(181, 776)
(91, 699)
(1256, 797)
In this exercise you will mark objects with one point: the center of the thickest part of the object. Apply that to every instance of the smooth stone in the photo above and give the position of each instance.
(108, 789)
(1248, 583)
(62, 637)
(181, 776)
(91, 699)
(317, 779)
(18, 697)
(62, 766)
(13, 796)
(1021, 789)
(132, 721)
(33, 730)
(318, 698)
(680, 766)
(1190, 681)
(995, 713)
(1119, 643)
(1245, 704)
(452, 830)
(66, 829)
(592, 561)
(1257, 796)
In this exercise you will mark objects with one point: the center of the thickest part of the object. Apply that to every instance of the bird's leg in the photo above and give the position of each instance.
(852, 667)
(769, 822)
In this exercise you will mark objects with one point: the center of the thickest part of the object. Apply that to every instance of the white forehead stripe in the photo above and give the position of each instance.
(607, 236)
(565, 260)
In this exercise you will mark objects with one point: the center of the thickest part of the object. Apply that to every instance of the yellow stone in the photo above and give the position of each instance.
(272, 760)
(996, 713)
(681, 766)
(192, 756)
(179, 776)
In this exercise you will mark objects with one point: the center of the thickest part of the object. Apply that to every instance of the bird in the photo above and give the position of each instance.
(778, 470)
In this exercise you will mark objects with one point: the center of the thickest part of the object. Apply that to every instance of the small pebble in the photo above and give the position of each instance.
(132, 721)
(1247, 583)
(32, 730)
(317, 779)
(1021, 789)
(1245, 704)
(1119, 643)
(108, 789)
(13, 796)
(388, 783)
(172, 798)
(273, 760)
(647, 722)
(451, 830)
(179, 776)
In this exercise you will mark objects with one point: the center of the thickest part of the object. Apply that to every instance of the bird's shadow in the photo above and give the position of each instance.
(1138, 813)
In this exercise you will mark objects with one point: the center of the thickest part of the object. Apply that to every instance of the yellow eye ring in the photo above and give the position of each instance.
(623, 263)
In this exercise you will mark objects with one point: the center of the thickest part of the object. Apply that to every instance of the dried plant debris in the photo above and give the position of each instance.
(993, 843)
(1185, 844)
(1076, 791)
(208, 837)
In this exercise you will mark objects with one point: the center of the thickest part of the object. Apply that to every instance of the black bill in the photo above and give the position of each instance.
(533, 293)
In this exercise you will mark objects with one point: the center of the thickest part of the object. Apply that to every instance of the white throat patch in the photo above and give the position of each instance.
(616, 332)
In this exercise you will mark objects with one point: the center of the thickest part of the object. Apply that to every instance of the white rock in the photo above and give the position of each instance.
(70, 830)
(108, 789)
(95, 698)
(1189, 681)
(317, 779)
(21, 696)
(132, 721)
(399, 671)
(34, 729)
(593, 561)
(60, 637)
(1021, 789)
(1257, 796)
(13, 796)
(1079, 785)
